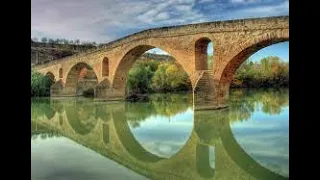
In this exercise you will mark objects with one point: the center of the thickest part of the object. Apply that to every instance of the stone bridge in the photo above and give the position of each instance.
(233, 42)
(109, 134)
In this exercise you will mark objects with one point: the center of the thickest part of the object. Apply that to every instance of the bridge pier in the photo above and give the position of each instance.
(209, 125)
(104, 91)
(57, 89)
(209, 94)
(109, 94)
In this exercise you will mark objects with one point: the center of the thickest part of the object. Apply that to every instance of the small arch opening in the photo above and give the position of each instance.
(105, 67)
(60, 73)
(51, 77)
(81, 80)
(146, 69)
(204, 54)
(81, 116)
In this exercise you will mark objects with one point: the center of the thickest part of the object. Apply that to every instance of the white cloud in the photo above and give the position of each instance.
(157, 51)
(244, 1)
(102, 20)
(88, 20)
(162, 16)
(237, 1)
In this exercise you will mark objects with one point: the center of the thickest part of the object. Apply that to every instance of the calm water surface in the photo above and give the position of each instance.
(162, 138)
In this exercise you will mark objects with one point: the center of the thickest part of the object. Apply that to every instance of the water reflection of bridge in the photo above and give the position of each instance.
(105, 129)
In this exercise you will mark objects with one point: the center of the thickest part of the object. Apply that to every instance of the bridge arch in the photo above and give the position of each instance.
(222, 138)
(80, 74)
(60, 73)
(242, 159)
(128, 140)
(133, 146)
(127, 61)
(248, 48)
(239, 55)
(51, 76)
(81, 117)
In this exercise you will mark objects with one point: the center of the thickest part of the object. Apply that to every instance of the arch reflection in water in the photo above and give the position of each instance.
(164, 124)
(260, 124)
(113, 136)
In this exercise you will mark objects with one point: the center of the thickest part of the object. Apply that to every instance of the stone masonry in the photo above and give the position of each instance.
(233, 42)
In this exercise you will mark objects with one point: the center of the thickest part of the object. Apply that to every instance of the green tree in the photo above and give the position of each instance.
(51, 41)
(269, 72)
(40, 84)
(44, 40)
(210, 62)
(139, 79)
(160, 78)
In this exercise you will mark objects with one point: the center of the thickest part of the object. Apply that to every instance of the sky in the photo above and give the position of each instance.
(280, 50)
(103, 21)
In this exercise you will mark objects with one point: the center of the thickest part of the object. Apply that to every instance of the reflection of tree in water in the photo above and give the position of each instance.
(138, 112)
(46, 135)
(240, 107)
(40, 108)
(164, 105)
(243, 102)
(82, 117)
(273, 101)
(38, 130)
(170, 104)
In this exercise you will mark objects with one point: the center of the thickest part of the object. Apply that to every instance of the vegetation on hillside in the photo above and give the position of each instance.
(51, 49)
(62, 43)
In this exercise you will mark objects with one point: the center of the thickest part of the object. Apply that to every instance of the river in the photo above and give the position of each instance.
(163, 138)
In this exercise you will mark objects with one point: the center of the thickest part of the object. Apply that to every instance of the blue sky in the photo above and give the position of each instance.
(280, 49)
(103, 21)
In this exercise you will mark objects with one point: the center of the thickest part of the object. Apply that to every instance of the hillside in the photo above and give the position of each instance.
(46, 52)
